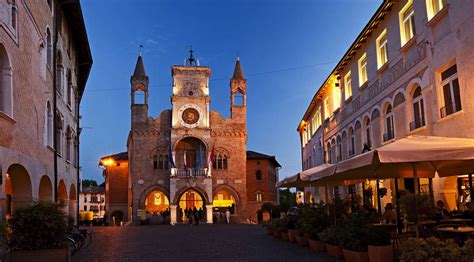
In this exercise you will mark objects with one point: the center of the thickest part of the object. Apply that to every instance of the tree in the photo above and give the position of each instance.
(88, 183)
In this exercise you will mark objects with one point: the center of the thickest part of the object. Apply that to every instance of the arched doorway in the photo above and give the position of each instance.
(190, 153)
(72, 202)
(190, 200)
(223, 200)
(45, 191)
(116, 217)
(17, 188)
(62, 196)
(156, 202)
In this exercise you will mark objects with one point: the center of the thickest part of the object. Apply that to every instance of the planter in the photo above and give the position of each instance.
(284, 236)
(316, 245)
(380, 253)
(334, 251)
(292, 235)
(301, 240)
(269, 231)
(355, 256)
(276, 234)
(58, 255)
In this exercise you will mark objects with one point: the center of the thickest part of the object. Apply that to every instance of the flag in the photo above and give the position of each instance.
(185, 164)
(211, 156)
(199, 160)
(171, 160)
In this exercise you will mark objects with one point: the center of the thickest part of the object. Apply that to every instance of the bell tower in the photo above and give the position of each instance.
(139, 93)
(238, 94)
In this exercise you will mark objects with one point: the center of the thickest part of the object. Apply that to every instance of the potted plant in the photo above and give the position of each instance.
(331, 237)
(380, 249)
(433, 249)
(417, 207)
(292, 232)
(282, 227)
(312, 222)
(354, 237)
(38, 233)
(268, 227)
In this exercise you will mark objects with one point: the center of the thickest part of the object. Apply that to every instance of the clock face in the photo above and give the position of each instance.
(190, 116)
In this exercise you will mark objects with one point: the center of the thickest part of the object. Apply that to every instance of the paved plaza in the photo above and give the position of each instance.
(191, 243)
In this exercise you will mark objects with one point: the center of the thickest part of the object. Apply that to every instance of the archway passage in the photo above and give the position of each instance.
(17, 188)
(45, 192)
(156, 202)
(190, 152)
(62, 196)
(190, 200)
(224, 200)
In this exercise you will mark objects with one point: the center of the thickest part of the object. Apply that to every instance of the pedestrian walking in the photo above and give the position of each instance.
(227, 216)
(190, 216)
(196, 216)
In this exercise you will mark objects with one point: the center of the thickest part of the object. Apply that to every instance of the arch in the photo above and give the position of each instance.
(357, 125)
(183, 190)
(344, 134)
(117, 216)
(45, 192)
(375, 113)
(147, 191)
(411, 86)
(72, 201)
(6, 82)
(62, 194)
(399, 99)
(191, 149)
(156, 201)
(228, 188)
(18, 188)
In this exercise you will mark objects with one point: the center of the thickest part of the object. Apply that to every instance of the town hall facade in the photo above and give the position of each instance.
(189, 156)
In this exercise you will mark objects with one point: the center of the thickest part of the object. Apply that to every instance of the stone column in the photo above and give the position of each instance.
(209, 213)
(173, 214)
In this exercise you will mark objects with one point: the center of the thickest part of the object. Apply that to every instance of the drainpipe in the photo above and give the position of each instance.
(56, 23)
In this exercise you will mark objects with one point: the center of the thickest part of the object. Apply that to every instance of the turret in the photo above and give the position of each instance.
(139, 93)
(238, 94)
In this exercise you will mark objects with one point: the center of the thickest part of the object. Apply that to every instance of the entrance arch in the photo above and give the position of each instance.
(190, 198)
(156, 202)
(17, 188)
(62, 196)
(72, 202)
(45, 191)
(225, 197)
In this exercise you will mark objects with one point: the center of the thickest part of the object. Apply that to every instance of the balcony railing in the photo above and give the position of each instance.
(448, 110)
(388, 136)
(190, 172)
(417, 124)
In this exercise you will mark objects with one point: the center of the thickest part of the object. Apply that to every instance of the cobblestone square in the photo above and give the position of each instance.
(191, 243)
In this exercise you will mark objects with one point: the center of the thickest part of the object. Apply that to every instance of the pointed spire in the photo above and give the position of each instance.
(238, 74)
(139, 68)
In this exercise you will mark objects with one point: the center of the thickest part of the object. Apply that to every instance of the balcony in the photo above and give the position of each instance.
(449, 109)
(190, 172)
(388, 136)
(417, 124)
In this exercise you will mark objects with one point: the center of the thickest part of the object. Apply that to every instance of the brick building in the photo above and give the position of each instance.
(44, 65)
(167, 164)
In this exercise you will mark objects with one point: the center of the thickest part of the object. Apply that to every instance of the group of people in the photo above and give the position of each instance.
(194, 215)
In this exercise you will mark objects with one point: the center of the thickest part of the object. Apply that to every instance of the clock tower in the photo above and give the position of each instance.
(139, 93)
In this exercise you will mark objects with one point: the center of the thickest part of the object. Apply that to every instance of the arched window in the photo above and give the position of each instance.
(258, 175)
(155, 162)
(160, 162)
(6, 86)
(224, 162)
(59, 74)
(49, 47)
(219, 162)
(368, 140)
(68, 143)
(339, 149)
(389, 126)
(49, 125)
(59, 133)
(167, 162)
(14, 17)
(418, 110)
(329, 153)
(320, 151)
(352, 142)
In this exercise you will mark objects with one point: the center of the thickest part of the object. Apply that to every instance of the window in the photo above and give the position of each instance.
(76, 151)
(389, 127)
(49, 125)
(68, 143)
(258, 175)
(336, 96)
(368, 140)
(220, 162)
(352, 140)
(382, 49)
(59, 74)
(363, 70)
(6, 90)
(50, 4)
(339, 149)
(326, 107)
(316, 121)
(49, 48)
(407, 22)
(348, 85)
(69, 88)
(85, 199)
(418, 110)
(452, 96)
(434, 6)
(224, 162)
(167, 162)
(259, 196)
(329, 153)
(14, 17)
(160, 162)
(59, 133)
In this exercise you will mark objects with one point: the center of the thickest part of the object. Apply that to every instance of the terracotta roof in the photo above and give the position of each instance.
(257, 155)
(139, 67)
(116, 157)
(238, 74)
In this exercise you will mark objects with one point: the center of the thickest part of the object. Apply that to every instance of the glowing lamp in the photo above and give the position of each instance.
(108, 162)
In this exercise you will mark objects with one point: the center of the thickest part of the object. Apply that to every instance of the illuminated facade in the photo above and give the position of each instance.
(409, 72)
(189, 156)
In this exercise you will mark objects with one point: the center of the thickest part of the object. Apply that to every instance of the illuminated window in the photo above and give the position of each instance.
(418, 110)
(316, 121)
(382, 49)
(336, 95)
(326, 107)
(452, 96)
(348, 85)
(259, 196)
(434, 6)
(407, 22)
(363, 70)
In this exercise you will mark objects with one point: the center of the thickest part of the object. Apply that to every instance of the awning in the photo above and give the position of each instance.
(309, 177)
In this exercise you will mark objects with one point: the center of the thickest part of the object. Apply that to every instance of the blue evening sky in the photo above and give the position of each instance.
(287, 48)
